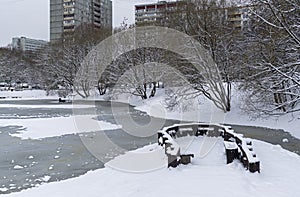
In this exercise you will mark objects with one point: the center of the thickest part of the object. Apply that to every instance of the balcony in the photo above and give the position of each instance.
(236, 24)
(69, 13)
(234, 12)
(69, 4)
(69, 23)
(69, 16)
(97, 5)
(150, 10)
(234, 19)
(69, 28)
(97, 15)
(97, 22)
(97, 11)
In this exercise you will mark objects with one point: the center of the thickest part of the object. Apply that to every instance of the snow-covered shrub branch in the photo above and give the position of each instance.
(273, 57)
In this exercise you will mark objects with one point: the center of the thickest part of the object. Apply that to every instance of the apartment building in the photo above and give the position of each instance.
(158, 13)
(66, 15)
(154, 13)
(238, 16)
(27, 44)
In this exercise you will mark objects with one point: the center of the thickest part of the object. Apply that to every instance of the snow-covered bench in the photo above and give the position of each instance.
(236, 146)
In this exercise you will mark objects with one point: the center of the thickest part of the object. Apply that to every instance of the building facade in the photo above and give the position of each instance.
(154, 13)
(66, 15)
(158, 13)
(238, 16)
(27, 44)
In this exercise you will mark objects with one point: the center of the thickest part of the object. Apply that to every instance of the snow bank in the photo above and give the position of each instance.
(26, 94)
(52, 106)
(57, 126)
(279, 178)
(207, 112)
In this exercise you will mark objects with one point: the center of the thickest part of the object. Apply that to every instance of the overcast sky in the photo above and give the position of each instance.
(30, 18)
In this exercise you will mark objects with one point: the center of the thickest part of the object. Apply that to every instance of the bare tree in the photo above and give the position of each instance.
(63, 59)
(136, 72)
(273, 57)
(207, 22)
(189, 55)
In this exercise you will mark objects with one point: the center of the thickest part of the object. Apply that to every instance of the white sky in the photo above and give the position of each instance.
(30, 18)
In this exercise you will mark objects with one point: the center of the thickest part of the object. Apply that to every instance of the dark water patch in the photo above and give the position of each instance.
(273, 136)
(26, 163)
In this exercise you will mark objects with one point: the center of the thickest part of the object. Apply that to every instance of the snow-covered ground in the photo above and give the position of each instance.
(207, 112)
(59, 106)
(26, 94)
(209, 176)
(206, 176)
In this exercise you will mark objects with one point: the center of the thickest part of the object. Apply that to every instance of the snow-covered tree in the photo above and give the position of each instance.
(272, 57)
(207, 22)
(15, 67)
(62, 60)
(140, 72)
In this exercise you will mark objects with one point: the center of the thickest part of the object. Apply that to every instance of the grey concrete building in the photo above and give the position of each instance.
(27, 44)
(158, 13)
(155, 13)
(66, 15)
(238, 16)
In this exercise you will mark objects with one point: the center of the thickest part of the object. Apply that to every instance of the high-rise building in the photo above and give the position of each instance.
(238, 16)
(27, 44)
(154, 13)
(159, 13)
(66, 15)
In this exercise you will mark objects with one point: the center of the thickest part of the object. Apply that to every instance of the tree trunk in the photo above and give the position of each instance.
(153, 91)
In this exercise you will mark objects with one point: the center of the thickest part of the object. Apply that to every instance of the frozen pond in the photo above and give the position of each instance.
(27, 163)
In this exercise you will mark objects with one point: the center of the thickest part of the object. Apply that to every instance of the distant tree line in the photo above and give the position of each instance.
(16, 67)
